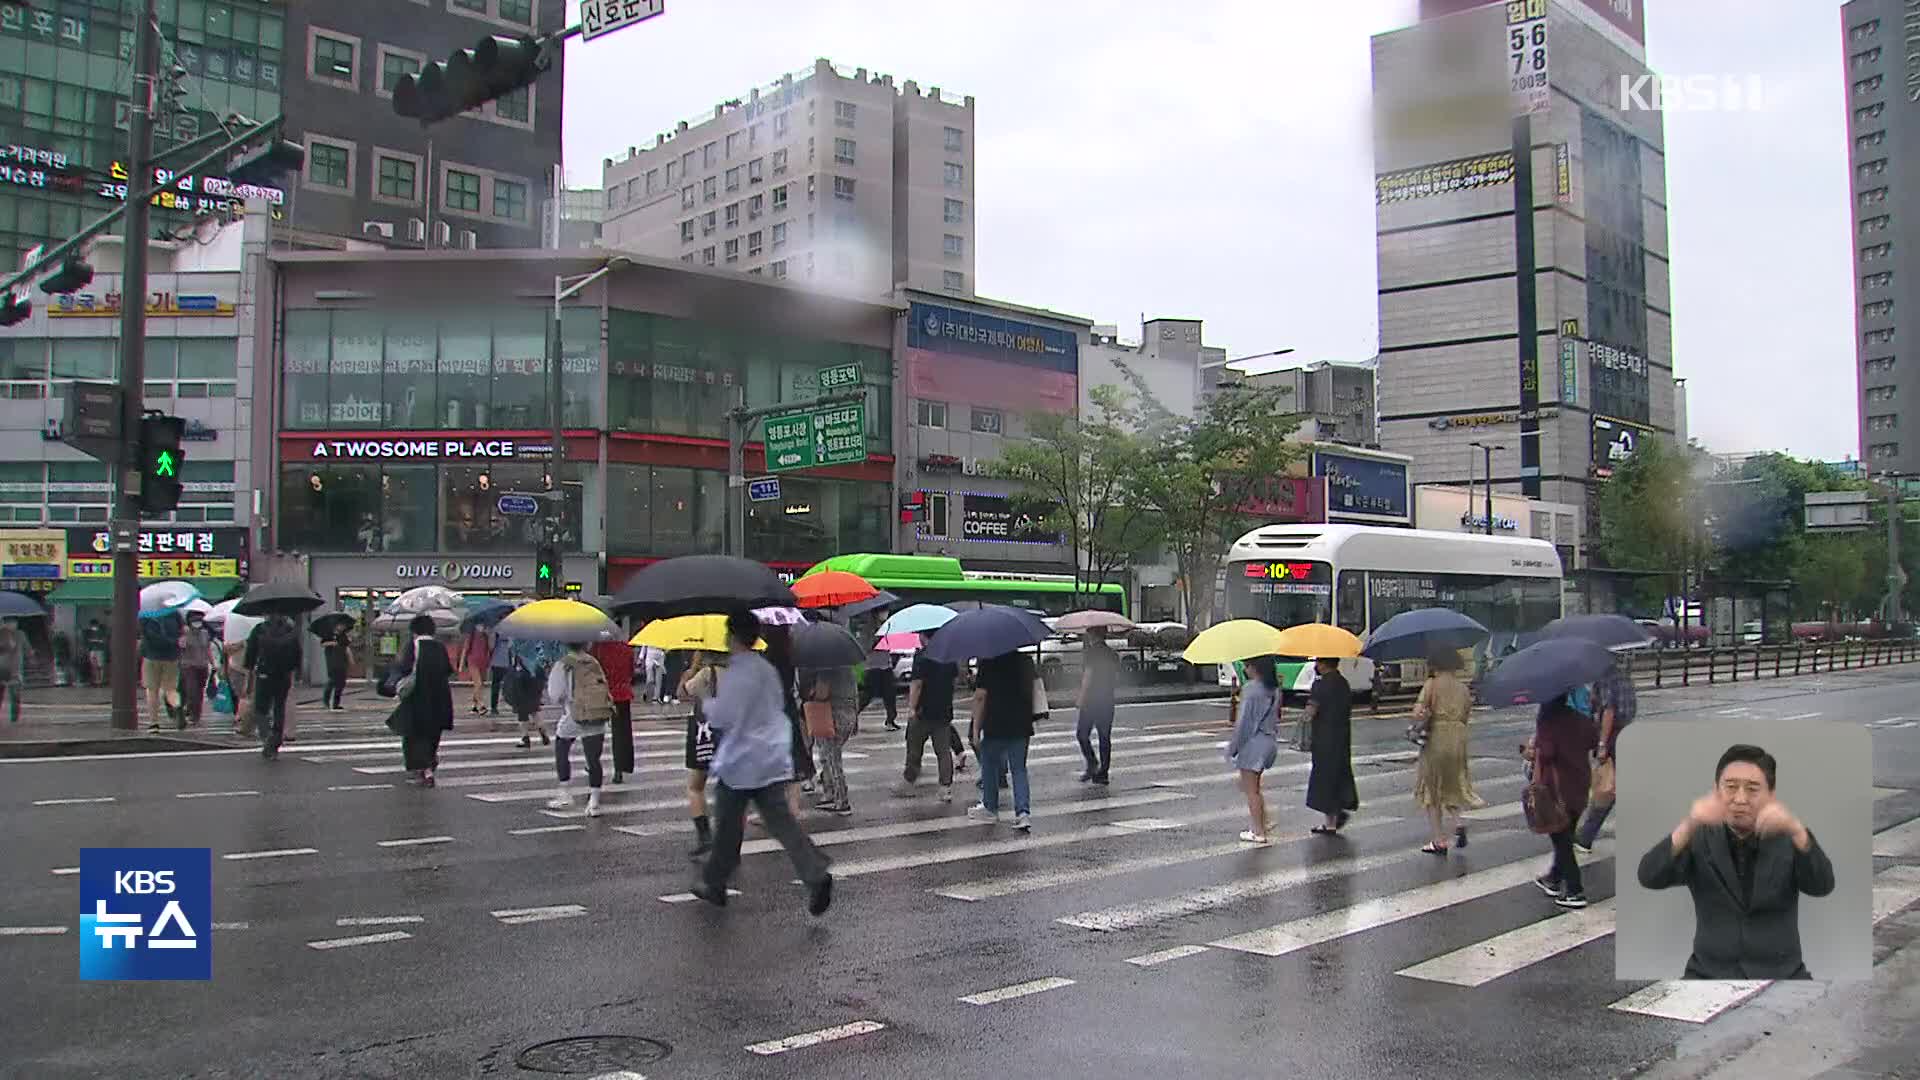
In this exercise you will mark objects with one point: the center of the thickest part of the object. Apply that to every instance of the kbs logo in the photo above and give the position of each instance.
(1279, 571)
(146, 913)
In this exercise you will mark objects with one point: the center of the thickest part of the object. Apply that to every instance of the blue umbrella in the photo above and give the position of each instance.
(485, 611)
(1418, 634)
(1608, 631)
(1545, 670)
(990, 630)
(918, 619)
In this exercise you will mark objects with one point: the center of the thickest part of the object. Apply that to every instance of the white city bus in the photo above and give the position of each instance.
(1359, 576)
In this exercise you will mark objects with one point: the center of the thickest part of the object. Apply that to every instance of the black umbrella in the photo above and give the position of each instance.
(881, 599)
(969, 605)
(279, 598)
(986, 631)
(329, 624)
(15, 605)
(1418, 634)
(1545, 670)
(701, 585)
(1608, 631)
(825, 645)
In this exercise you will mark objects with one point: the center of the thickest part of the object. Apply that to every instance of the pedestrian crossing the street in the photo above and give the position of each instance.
(1143, 876)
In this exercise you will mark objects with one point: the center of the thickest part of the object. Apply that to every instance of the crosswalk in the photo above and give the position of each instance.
(1144, 873)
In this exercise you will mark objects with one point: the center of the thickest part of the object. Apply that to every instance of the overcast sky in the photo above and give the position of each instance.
(1207, 160)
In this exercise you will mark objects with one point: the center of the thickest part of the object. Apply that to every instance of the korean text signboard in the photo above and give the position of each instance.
(599, 17)
(802, 440)
(164, 553)
(1359, 487)
(840, 377)
(1527, 57)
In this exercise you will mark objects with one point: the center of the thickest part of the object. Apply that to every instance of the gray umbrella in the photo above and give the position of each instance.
(279, 598)
(15, 605)
(1616, 632)
(825, 645)
(881, 599)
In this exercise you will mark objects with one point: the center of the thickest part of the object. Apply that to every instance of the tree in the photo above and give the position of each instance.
(1080, 468)
(1196, 474)
(1833, 576)
(1649, 520)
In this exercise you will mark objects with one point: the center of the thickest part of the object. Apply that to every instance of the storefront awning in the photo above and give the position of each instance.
(99, 590)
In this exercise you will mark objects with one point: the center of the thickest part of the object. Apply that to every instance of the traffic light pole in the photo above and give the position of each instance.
(740, 421)
(123, 532)
(554, 509)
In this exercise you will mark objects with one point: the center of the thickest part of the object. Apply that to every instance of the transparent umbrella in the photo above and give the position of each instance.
(427, 598)
(164, 596)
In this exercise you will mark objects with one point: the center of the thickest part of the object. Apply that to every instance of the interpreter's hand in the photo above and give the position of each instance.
(1774, 819)
(1707, 810)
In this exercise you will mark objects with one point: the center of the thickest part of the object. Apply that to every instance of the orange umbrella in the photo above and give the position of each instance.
(831, 588)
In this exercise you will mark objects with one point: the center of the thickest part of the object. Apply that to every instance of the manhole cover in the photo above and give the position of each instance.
(592, 1054)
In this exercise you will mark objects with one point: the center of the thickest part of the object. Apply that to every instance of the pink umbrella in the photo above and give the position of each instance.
(898, 643)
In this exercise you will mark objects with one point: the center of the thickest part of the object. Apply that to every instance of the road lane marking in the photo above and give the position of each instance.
(1493, 813)
(362, 939)
(948, 824)
(519, 916)
(1730, 712)
(815, 1038)
(1302, 933)
(1887, 793)
(214, 794)
(1803, 716)
(73, 802)
(539, 829)
(378, 920)
(1132, 916)
(65, 871)
(273, 854)
(1178, 952)
(1017, 990)
(232, 926)
(1899, 841)
(1484, 961)
(31, 931)
(415, 841)
(687, 897)
(358, 787)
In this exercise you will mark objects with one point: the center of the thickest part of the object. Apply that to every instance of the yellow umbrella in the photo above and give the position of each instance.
(1235, 639)
(707, 633)
(1317, 639)
(558, 620)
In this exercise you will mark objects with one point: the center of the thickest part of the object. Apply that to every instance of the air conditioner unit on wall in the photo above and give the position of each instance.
(442, 234)
(377, 228)
(469, 239)
(416, 230)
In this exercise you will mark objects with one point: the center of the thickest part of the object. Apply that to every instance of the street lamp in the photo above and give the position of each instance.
(1487, 450)
(564, 288)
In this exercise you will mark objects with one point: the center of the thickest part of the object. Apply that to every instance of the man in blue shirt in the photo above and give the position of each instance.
(753, 763)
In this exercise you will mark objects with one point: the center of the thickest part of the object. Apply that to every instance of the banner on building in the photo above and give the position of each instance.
(1005, 519)
(1614, 441)
(1364, 487)
(1463, 174)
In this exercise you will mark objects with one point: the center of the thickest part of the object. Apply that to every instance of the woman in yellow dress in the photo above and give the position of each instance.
(1441, 783)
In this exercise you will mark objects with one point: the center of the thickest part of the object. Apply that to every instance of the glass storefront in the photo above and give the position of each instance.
(415, 508)
(659, 511)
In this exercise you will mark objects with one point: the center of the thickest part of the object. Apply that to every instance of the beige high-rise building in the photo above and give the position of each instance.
(839, 179)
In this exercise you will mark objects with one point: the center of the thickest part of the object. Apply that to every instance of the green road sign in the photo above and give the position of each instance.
(802, 440)
(838, 377)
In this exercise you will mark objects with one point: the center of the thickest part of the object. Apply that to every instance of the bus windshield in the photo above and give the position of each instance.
(1280, 594)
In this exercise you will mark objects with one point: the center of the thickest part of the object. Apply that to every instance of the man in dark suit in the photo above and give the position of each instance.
(1746, 859)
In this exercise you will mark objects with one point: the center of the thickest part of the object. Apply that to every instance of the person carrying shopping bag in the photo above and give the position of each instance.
(833, 717)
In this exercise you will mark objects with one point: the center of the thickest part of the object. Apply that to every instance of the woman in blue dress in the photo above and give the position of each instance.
(1255, 740)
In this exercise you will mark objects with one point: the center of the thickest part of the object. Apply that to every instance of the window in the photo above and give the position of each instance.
(733, 215)
(1867, 86)
(953, 174)
(956, 212)
(515, 105)
(986, 421)
(754, 205)
(733, 250)
(1873, 196)
(809, 189)
(843, 114)
(733, 144)
(780, 197)
(843, 151)
(753, 136)
(809, 149)
(710, 189)
(334, 58)
(756, 170)
(779, 269)
(779, 235)
(686, 231)
(779, 162)
(1879, 337)
(1875, 224)
(510, 200)
(329, 165)
(709, 155)
(476, 6)
(953, 281)
(1877, 281)
(686, 163)
(1874, 252)
(687, 258)
(930, 414)
(398, 179)
(1880, 365)
(1864, 58)
(520, 11)
(1879, 309)
(733, 178)
(843, 188)
(1885, 451)
(937, 514)
(463, 191)
(1870, 139)
(952, 245)
(754, 243)
(956, 140)
(653, 180)
(686, 197)
(782, 122)
(1869, 112)
(673, 172)
(1864, 31)
(395, 66)
(1882, 393)
(709, 222)
(706, 256)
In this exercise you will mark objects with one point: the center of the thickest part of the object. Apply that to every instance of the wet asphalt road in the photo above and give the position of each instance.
(1138, 871)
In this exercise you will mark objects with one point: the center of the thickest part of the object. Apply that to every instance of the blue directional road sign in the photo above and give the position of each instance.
(764, 489)
(519, 504)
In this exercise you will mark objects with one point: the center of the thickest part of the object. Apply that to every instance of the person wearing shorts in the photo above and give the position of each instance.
(698, 685)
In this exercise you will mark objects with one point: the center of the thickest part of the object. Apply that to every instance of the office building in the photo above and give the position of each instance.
(1881, 39)
(1336, 402)
(837, 179)
(582, 211)
(480, 180)
(1591, 374)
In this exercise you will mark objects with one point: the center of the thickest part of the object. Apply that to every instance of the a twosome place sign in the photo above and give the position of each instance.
(424, 449)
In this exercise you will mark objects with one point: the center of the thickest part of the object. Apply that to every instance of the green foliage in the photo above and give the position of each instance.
(1644, 517)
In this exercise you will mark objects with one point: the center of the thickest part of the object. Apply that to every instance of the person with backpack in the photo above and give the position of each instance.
(578, 684)
(273, 655)
(160, 665)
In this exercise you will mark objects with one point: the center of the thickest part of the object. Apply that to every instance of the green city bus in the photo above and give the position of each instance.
(940, 579)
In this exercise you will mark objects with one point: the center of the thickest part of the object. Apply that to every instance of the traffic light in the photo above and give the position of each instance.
(160, 461)
(15, 308)
(74, 274)
(266, 164)
(472, 77)
(546, 571)
(913, 507)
